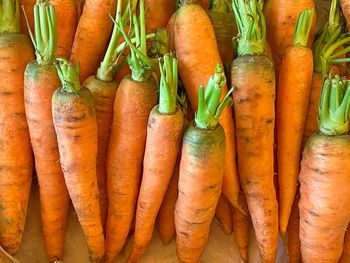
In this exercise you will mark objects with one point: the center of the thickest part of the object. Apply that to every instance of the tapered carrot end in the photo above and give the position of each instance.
(284, 240)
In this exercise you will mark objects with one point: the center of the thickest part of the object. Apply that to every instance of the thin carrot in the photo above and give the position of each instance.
(135, 98)
(223, 215)
(201, 171)
(165, 124)
(158, 13)
(16, 161)
(75, 124)
(281, 17)
(345, 258)
(40, 82)
(294, 86)
(324, 177)
(253, 76)
(293, 242)
(195, 44)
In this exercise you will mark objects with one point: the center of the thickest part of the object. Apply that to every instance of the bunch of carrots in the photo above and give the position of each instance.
(174, 115)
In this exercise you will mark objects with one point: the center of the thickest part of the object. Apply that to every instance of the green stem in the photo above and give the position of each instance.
(209, 105)
(334, 106)
(45, 40)
(168, 84)
(9, 16)
(251, 27)
(302, 28)
(68, 74)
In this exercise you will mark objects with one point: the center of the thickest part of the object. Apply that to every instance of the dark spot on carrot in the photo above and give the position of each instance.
(210, 187)
(76, 118)
(5, 93)
(313, 214)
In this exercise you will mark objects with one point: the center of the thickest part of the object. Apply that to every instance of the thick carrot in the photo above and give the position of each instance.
(223, 215)
(165, 124)
(293, 242)
(281, 17)
(16, 161)
(192, 53)
(254, 78)
(75, 124)
(240, 227)
(166, 224)
(324, 177)
(345, 258)
(94, 24)
(201, 171)
(158, 13)
(294, 86)
(40, 82)
(135, 98)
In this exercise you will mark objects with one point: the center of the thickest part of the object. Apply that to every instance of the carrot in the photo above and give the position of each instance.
(345, 258)
(75, 124)
(135, 98)
(16, 161)
(241, 231)
(296, 70)
(293, 245)
(93, 24)
(223, 215)
(192, 51)
(165, 124)
(158, 13)
(28, 7)
(281, 17)
(253, 76)
(166, 224)
(324, 177)
(40, 82)
(345, 6)
(201, 170)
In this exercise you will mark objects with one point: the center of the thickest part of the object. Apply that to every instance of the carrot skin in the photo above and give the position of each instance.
(104, 94)
(89, 53)
(294, 86)
(223, 215)
(166, 224)
(75, 124)
(132, 106)
(40, 82)
(323, 206)
(28, 6)
(293, 245)
(254, 79)
(16, 157)
(158, 13)
(202, 165)
(158, 166)
(241, 231)
(345, 7)
(345, 258)
(190, 55)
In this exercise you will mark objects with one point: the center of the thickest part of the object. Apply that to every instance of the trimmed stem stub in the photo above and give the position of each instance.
(68, 74)
(334, 106)
(302, 28)
(9, 16)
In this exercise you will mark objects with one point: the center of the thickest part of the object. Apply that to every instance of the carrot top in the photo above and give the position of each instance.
(209, 105)
(302, 28)
(45, 40)
(140, 64)
(251, 27)
(334, 106)
(168, 84)
(68, 74)
(9, 16)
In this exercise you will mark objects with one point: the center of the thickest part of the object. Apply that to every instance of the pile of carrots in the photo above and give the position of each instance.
(162, 114)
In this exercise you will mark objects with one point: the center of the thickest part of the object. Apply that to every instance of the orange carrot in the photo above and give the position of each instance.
(345, 258)
(191, 54)
(254, 78)
(40, 82)
(135, 98)
(281, 17)
(345, 6)
(293, 244)
(201, 171)
(16, 161)
(75, 124)
(166, 224)
(296, 70)
(223, 215)
(325, 167)
(94, 24)
(158, 13)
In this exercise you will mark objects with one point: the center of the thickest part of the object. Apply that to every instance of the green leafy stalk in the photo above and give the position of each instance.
(334, 106)
(45, 40)
(209, 105)
(168, 84)
(302, 28)
(9, 16)
(68, 74)
(251, 27)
